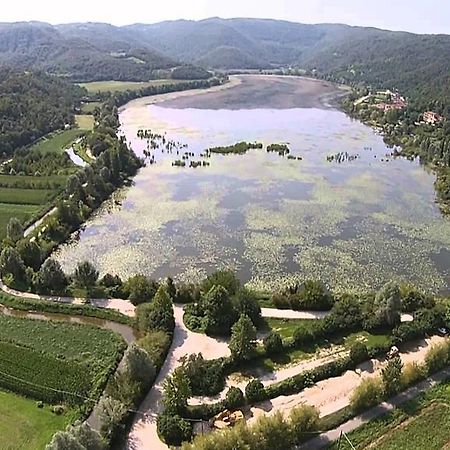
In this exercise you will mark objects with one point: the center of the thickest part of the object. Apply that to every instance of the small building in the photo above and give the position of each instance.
(431, 117)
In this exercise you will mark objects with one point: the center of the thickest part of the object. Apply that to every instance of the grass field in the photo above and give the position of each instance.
(25, 426)
(21, 212)
(420, 424)
(85, 122)
(26, 196)
(114, 86)
(88, 108)
(58, 142)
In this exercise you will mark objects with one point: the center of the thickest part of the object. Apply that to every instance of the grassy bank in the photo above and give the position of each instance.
(117, 86)
(25, 426)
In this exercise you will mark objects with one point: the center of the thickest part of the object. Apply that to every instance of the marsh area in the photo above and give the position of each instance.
(354, 224)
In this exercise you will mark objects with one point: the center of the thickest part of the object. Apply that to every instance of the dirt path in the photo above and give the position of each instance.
(334, 394)
(143, 434)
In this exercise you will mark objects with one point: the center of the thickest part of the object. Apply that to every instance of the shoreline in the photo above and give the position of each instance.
(307, 98)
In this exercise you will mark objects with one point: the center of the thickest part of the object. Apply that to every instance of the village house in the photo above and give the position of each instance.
(431, 117)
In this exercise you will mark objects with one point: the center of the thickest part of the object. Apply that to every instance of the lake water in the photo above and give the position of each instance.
(354, 225)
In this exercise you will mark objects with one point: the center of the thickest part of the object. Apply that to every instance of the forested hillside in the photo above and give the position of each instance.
(418, 65)
(32, 105)
(81, 52)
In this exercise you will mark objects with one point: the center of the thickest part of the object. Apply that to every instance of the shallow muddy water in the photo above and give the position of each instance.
(355, 224)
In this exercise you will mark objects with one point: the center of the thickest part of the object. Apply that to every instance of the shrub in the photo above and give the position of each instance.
(242, 343)
(346, 315)
(437, 357)
(302, 336)
(272, 433)
(255, 391)
(412, 373)
(406, 331)
(58, 409)
(234, 398)
(140, 289)
(312, 295)
(281, 301)
(173, 429)
(429, 320)
(156, 344)
(206, 376)
(303, 419)
(358, 353)
(369, 393)
(273, 343)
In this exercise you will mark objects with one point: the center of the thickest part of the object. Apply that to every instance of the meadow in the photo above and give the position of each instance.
(116, 86)
(24, 426)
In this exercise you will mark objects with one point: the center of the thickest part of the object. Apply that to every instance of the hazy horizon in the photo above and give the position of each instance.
(431, 17)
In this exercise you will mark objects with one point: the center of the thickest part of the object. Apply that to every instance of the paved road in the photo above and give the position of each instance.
(326, 438)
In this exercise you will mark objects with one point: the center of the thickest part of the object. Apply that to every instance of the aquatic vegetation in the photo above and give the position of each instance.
(275, 223)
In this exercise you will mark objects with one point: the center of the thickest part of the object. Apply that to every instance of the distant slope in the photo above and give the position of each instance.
(418, 65)
(78, 52)
(415, 64)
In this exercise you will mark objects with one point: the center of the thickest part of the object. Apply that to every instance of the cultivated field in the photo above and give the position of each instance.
(115, 86)
(420, 424)
(85, 122)
(24, 426)
(37, 358)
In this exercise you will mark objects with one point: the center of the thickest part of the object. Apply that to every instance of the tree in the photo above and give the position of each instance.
(14, 230)
(111, 413)
(51, 277)
(273, 343)
(225, 278)
(177, 390)
(387, 304)
(218, 310)
(245, 302)
(171, 289)
(392, 376)
(157, 315)
(85, 275)
(30, 252)
(234, 398)
(62, 440)
(242, 343)
(11, 263)
(140, 289)
(87, 437)
(255, 391)
(312, 295)
(139, 366)
(173, 429)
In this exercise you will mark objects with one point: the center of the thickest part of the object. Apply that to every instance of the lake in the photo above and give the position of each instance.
(354, 224)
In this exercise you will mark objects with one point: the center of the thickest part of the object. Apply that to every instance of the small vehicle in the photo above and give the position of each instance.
(227, 419)
(393, 352)
(443, 332)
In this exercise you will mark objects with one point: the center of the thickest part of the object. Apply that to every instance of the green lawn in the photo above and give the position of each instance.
(88, 108)
(114, 86)
(25, 426)
(85, 122)
(420, 424)
(58, 142)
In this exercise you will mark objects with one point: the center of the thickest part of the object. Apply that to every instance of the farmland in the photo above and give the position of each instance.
(38, 357)
(424, 421)
(115, 86)
(23, 425)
